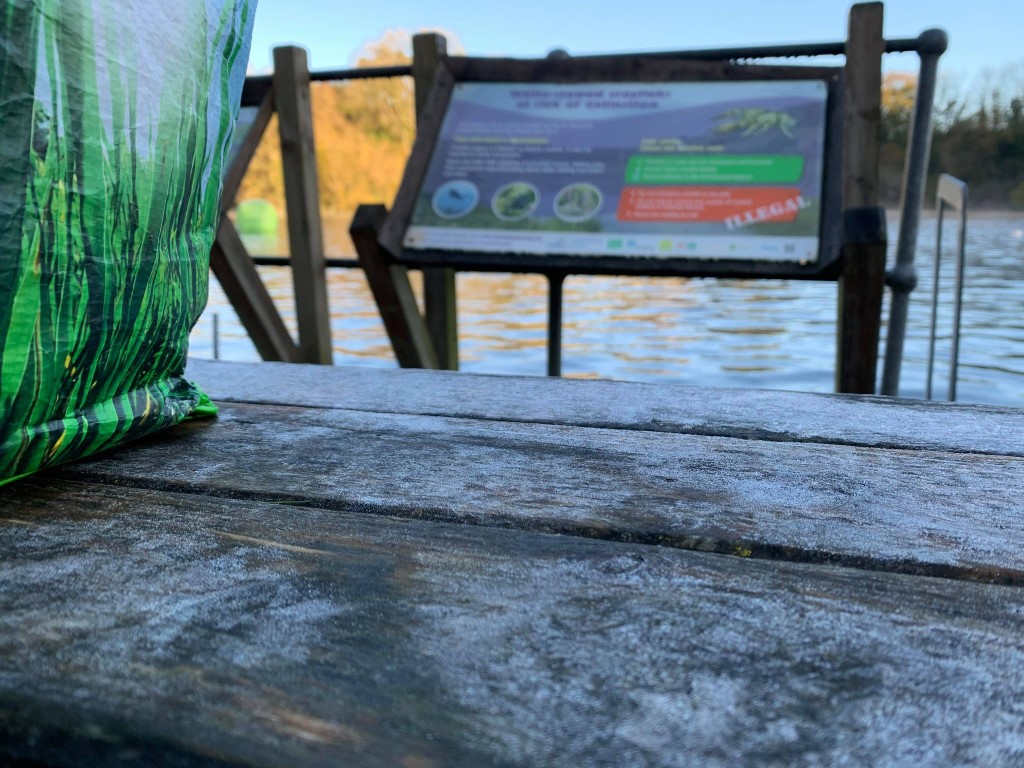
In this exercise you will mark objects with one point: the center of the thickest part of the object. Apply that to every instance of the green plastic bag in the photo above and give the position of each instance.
(117, 117)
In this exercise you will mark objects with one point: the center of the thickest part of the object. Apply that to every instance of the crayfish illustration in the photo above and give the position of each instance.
(755, 121)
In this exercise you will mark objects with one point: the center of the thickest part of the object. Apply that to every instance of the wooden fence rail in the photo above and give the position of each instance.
(286, 92)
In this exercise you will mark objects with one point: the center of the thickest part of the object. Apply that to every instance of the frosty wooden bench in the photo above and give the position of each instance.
(416, 568)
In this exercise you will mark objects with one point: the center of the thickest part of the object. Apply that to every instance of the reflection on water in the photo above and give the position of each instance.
(744, 333)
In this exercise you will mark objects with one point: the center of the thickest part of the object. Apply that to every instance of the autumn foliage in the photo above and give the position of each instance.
(363, 131)
(978, 136)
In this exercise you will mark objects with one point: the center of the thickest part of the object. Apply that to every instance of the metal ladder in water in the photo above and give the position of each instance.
(952, 195)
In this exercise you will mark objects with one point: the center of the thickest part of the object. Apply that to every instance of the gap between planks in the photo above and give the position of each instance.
(695, 543)
(654, 427)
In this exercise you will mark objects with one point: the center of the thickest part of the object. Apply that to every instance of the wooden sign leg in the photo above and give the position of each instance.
(439, 300)
(438, 282)
(389, 283)
(863, 280)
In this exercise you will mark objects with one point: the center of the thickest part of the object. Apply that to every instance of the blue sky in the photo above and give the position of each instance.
(983, 34)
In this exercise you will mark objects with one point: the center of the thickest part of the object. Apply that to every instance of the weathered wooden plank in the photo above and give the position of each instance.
(732, 412)
(241, 282)
(302, 198)
(863, 280)
(142, 628)
(957, 515)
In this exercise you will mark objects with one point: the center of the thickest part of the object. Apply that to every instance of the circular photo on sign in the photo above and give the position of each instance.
(515, 201)
(578, 202)
(455, 199)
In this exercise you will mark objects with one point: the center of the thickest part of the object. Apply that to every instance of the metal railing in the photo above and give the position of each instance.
(902, 279)
(256, 86)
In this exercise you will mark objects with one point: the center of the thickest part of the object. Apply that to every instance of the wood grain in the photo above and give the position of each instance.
(439, 297)
(777, 416)
(140, 628)
(862, 284)
(925, 512)
(302, 200)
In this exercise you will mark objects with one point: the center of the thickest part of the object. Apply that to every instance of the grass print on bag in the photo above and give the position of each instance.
(117, 120)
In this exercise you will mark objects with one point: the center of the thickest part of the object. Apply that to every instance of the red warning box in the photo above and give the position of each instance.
(734, 205)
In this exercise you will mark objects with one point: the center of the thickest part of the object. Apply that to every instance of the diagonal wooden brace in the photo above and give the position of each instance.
(237, 275)
(246, 151)
(389, 283)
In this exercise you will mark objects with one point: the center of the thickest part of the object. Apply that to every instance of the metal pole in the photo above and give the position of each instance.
(555, 282)
(940, 209)
(902, 279)
(954, 361)
(216, 336)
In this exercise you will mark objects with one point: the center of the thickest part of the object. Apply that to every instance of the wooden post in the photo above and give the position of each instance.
(232, 265)
(863, 279)
(295, 120)
(389, 282)
(439, 303)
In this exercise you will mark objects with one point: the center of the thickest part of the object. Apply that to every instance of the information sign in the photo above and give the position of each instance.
(692, 170)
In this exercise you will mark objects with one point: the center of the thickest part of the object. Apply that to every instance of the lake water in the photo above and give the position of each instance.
(763, 334)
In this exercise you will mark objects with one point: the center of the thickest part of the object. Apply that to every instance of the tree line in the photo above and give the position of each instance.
(364, 131)
(978, 136)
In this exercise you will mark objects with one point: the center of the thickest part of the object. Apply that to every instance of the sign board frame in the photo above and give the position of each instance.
(625, 69)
